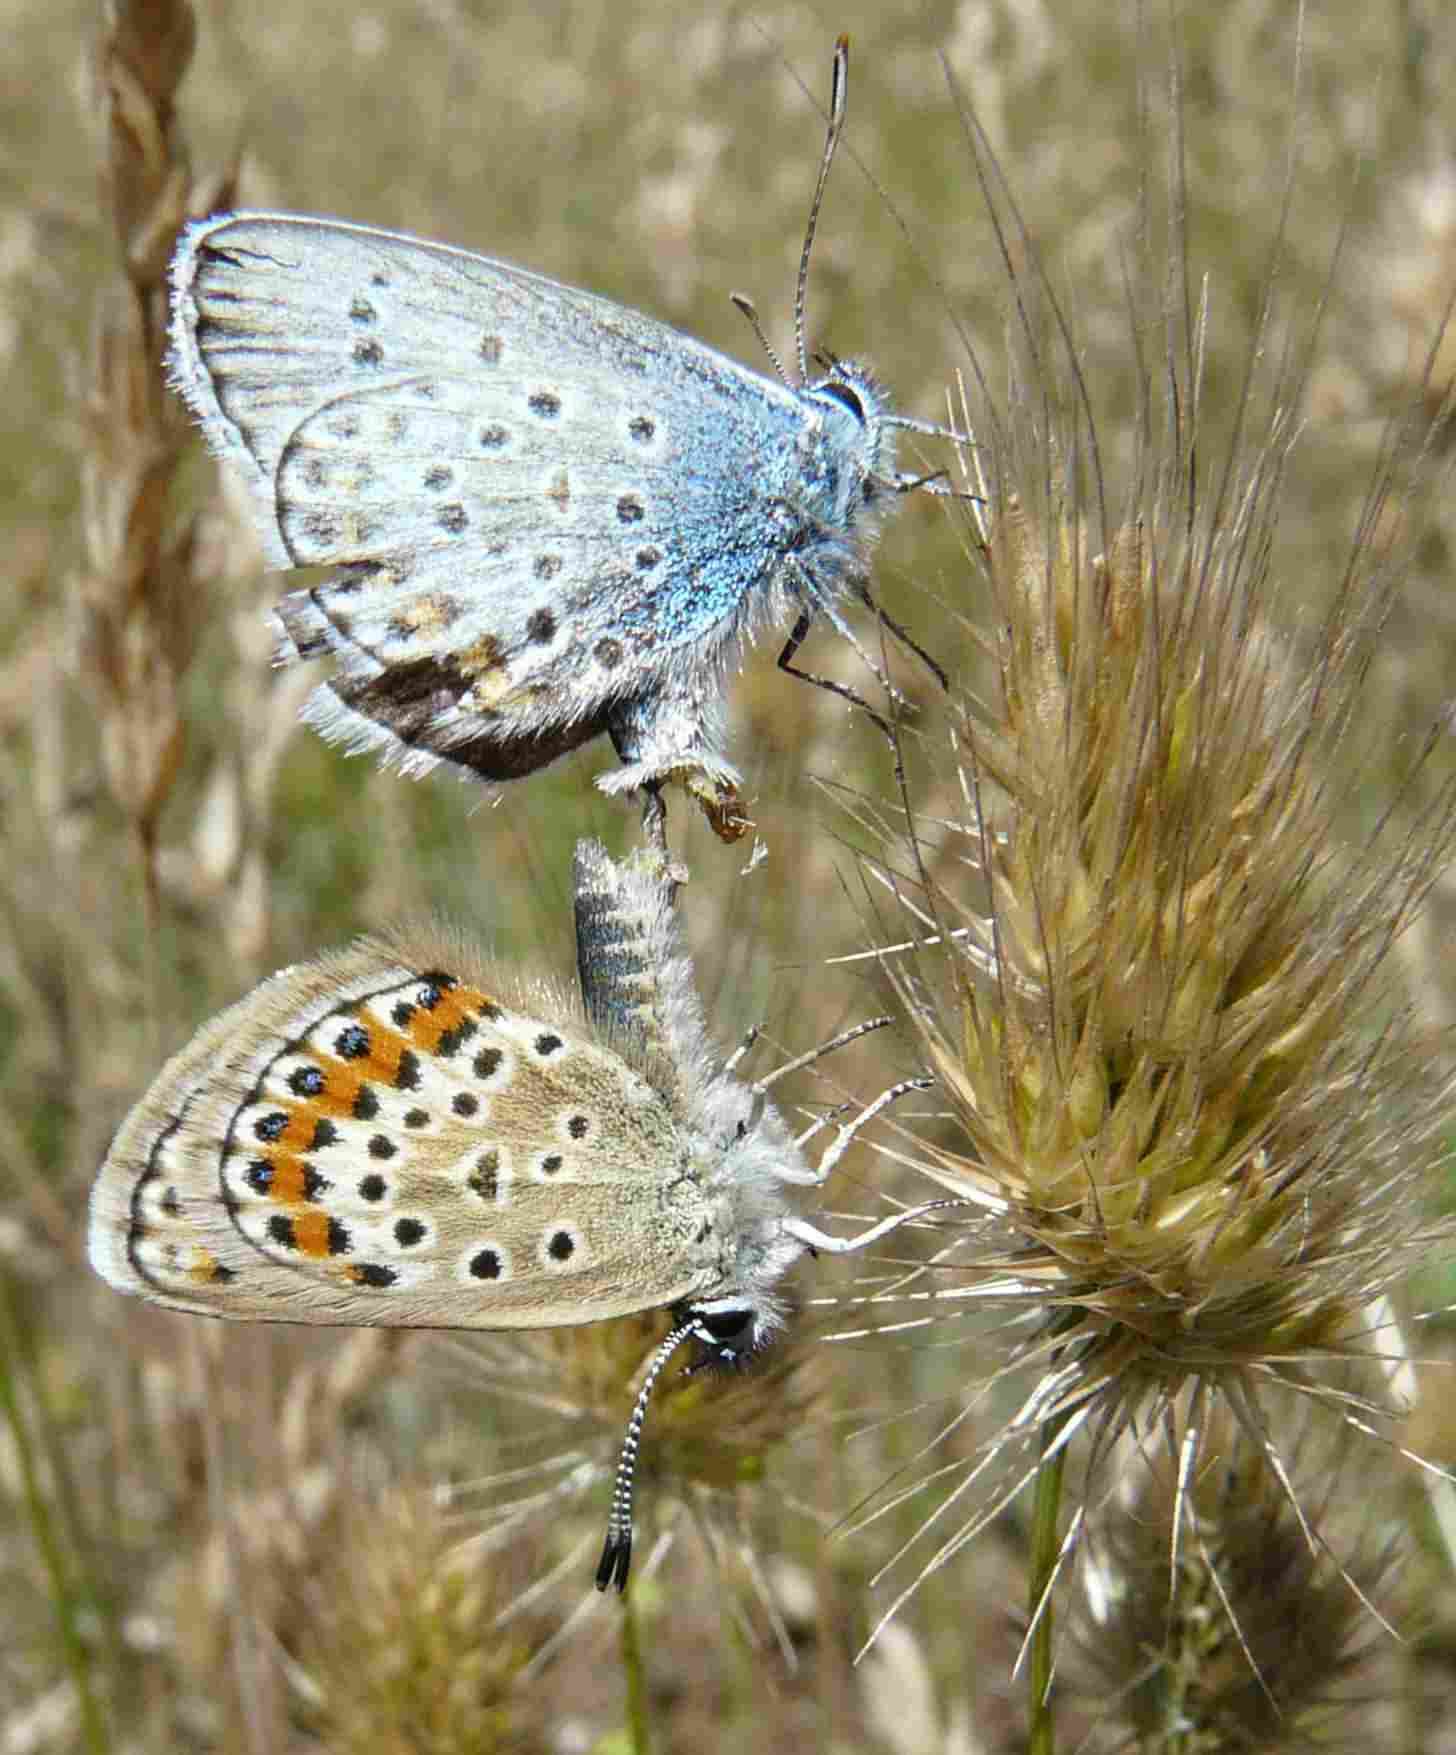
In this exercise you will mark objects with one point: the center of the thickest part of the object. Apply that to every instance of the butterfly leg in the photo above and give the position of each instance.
(816, 599)
(845, 693)
(675, 736)
(839, 1145)
(905, 637)
(654, 819)
(819, 1242)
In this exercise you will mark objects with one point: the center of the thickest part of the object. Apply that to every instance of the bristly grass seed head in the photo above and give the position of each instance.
(1154, 985)
(1253, 1638)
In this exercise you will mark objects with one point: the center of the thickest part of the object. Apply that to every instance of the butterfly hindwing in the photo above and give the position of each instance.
(535, 525)
(370, 1139)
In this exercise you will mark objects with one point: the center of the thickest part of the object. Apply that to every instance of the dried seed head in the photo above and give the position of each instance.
(138, 605)
(404, 1638)
(1157, 991)
(1165, 1064)
(1254, 1637)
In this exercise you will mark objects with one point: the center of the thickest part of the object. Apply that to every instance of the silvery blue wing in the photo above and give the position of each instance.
(549, 517)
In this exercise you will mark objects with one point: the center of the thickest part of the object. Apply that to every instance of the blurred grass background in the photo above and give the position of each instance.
(222, 1501)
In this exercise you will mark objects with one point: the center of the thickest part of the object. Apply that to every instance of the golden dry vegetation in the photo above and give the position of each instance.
(1200, 335)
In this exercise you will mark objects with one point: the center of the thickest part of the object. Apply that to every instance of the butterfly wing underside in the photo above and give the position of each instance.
(547, 512)
(369, 1138)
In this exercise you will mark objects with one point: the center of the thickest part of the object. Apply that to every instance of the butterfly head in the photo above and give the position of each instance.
(743, 1159)
(730, 1330)
(849, 448)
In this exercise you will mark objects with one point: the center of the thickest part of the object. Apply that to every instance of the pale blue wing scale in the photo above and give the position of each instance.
(450, 431)
(531, 553)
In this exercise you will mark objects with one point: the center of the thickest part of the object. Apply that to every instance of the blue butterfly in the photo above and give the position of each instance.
(547, 516)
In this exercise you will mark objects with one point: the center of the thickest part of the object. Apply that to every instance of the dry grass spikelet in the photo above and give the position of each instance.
(1169, 1081)
(1254, 1638)
(1154, 985)
(139, 604)
(402, 1640)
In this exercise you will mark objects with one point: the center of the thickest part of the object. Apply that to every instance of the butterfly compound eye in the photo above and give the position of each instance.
(730, 1333)
(845, 393)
